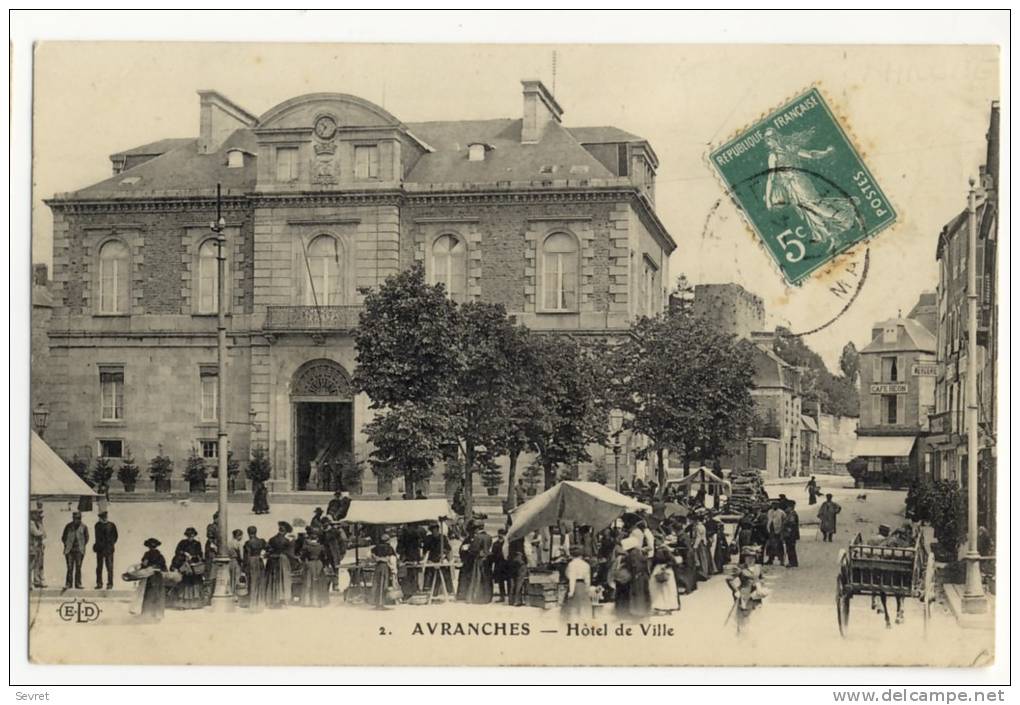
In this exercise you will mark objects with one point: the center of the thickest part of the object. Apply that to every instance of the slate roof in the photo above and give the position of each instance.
(157, 147)
(917, 337)
(181, 170)
(603, 135)
(508, 160)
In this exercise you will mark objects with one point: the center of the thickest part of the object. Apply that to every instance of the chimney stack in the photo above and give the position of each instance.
(540, 109)
(218, 118)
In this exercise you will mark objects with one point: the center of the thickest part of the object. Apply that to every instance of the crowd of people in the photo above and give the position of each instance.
(643, 564)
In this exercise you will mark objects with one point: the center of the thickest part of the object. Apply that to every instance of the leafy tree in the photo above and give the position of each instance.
(850, 362)
(522, 401)
(681, 299)
(194, 469)
(683, 385)
(442, 371)
(836, 394)
(407, 440)
(572, 411)
(599, 472)
(161, 466)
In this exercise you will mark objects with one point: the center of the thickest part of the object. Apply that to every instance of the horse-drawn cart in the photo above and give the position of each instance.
(881, 571)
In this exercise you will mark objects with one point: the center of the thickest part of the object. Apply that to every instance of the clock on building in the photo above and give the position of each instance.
(325, 127)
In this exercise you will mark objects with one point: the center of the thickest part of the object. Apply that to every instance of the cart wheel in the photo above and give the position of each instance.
(928, 594)
(842, 607)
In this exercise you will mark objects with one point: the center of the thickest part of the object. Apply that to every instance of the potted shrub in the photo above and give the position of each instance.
(351, 471)
(534, 476)
(492, 476)
(80, 466)
(233, 471)
(453, 476)
(128, 471)
(160, 469)
(102, 474)
(259, 468)
(195, 472)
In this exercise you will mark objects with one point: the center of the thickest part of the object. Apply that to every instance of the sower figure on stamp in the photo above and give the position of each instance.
(75, 538)
(106, 542)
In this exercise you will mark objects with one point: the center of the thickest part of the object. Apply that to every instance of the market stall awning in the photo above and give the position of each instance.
(586, 503)
(49, 475)
(404, 511)
(700, 477)
(884, 446)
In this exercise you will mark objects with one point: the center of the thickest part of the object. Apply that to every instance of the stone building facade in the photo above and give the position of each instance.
(323, 196)
(897, 370)
(948, 456)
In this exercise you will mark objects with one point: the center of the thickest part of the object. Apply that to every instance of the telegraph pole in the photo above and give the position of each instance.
(974, 600)
(222, 599)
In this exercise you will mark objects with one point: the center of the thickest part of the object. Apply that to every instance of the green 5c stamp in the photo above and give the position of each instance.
(802, 186)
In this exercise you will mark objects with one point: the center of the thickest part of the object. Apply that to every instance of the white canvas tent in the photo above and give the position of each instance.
(586, 503)
(49, 475)
(405, 511)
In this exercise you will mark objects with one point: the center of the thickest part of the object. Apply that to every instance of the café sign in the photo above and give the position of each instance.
(889, 388)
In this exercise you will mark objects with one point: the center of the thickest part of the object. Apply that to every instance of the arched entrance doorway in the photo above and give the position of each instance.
(322, 410)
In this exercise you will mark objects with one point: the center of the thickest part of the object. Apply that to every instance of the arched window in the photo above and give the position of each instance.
(559, 272)
(113, 278)
(449, 265)
(208, 279)
(323, 271)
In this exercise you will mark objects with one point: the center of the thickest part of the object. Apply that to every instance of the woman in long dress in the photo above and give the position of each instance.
(254, 570)
(577, 606)
(235, 549)
(277, 578)
(188, 561)
(315, 582)
(385, 569)
(702, 556)
(153, 592)
(480, 590)
(467, 563)
(639, 599)
(662, 583)
(260, 499)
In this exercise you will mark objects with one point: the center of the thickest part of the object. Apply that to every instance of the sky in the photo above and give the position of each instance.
(918, 114)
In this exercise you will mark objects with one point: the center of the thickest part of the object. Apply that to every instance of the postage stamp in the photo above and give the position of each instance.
(802, 186)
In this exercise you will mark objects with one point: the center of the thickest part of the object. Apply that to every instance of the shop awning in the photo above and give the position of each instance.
(884, 446)
(49, 475)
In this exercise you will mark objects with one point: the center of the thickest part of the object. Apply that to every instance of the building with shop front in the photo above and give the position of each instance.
(897, 373)
(324, 195)
(948, 452)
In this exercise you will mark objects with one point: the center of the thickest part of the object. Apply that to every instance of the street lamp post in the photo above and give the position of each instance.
(40, 419)
(616, 426)
(974, 600)
(222, 599)
(750, 433)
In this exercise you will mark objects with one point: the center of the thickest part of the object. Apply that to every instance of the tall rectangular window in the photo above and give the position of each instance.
(209, 382)
(366, 162)
(890, 371)
(286, 163)
(111, 393)
(889, 407)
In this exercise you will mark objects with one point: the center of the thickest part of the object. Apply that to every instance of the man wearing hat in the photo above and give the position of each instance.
(75, 538)
(36, 547)
(338, 506)
(106, 541)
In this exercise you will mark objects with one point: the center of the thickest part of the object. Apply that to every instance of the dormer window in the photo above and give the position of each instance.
(235, 159)
(476, 152)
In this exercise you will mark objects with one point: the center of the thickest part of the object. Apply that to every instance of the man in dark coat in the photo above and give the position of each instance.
(500, 565)
(75, 538)
(791, 533)
(339, 505)
(106, 541)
